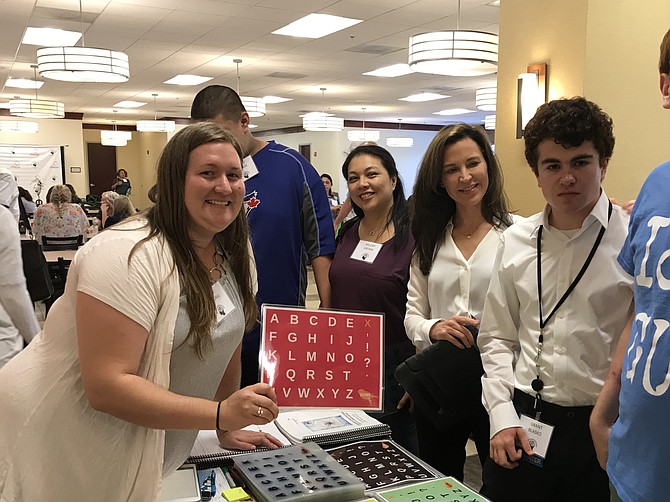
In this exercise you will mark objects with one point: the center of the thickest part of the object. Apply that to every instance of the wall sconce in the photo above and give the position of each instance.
(531, 93)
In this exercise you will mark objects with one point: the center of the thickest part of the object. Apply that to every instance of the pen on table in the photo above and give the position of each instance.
(228, 477)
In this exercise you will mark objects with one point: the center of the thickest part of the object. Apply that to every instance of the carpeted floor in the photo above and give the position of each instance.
(473, 472)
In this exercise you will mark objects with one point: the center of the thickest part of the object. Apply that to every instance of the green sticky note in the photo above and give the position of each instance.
(235, 494)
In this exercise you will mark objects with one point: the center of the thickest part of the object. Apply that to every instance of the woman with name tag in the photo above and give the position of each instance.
(370, 269)
(459, 210)
(143, 349)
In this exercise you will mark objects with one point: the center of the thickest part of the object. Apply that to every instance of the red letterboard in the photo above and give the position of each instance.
(323, 358)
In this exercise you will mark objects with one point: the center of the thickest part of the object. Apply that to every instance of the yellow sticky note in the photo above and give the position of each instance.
(235, 494)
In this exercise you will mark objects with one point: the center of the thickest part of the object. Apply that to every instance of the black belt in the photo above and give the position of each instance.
(525, 403)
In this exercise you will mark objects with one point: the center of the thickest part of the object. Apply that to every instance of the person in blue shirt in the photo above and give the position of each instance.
(288, 213)
(633, 409)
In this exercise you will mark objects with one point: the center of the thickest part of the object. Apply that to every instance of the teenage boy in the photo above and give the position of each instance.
(640, 444)
(556, 304)
(288, 212)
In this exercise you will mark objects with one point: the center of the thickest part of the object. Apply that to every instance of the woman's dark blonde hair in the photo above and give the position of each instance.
(432, 207)
(122, 204)
(59, 196)
(170, 219)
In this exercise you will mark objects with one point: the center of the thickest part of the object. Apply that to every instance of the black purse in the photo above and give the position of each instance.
(444, 381)
(36, 270)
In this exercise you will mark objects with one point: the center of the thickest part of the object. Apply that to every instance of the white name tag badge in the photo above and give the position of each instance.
(366, 251)
(539, 436)
(249, 169)
(224, 305)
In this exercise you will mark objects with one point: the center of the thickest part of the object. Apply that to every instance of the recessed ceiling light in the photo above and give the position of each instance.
(453, 111)
(129, 104)
(316, 26)
(275, 99)
(316, 114)
(5, 105)
(50, 37)
(424, 96)
(395, 70)
(187, 80)
(24, 83)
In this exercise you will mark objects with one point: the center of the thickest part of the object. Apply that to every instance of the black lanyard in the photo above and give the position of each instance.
(543, 322)
(537, 384)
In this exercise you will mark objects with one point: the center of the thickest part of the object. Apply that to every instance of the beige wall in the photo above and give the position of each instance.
(138, 158)
(604, 50)
(59, 132)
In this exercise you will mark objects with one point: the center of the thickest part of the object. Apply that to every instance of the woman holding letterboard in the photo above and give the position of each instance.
(370, 269)
(136, 357)
(459, 211)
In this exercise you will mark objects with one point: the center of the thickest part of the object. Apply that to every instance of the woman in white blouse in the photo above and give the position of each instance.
(459, 210)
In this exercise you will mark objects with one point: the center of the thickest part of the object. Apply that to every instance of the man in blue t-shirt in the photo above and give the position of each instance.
(635, 397)
(288, 213)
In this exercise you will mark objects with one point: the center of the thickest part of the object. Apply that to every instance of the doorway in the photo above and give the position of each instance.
(101, 167)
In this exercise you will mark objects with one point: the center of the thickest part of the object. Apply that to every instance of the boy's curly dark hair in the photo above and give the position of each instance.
(569, 122)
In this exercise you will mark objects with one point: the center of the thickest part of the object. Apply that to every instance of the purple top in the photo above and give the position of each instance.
(376, 287)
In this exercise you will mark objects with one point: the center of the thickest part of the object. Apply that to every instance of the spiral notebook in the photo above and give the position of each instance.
(206, 452)
(330, 427)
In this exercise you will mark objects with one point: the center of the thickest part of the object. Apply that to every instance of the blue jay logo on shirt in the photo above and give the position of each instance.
(251, 201)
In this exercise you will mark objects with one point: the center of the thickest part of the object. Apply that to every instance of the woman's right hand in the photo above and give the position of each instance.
(255, 404)
(453, 330)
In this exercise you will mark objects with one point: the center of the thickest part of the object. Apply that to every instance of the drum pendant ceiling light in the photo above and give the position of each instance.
(255, 106)
(457, 53)
(36, 108)
(83, 64)
(400, 142)
(363, 134)
(322, 121)
(155, 125)
(114, 137)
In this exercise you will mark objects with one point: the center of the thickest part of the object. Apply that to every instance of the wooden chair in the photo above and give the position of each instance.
(61, 243)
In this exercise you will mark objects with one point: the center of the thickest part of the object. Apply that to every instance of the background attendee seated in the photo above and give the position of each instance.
(59, 217)
(106, 208)
(122, 208)
(27, 201)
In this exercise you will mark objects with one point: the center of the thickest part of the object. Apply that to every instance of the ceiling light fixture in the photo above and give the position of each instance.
(395, 70)
(457, 53)
(490, 122)
(363, 135)
(400, 142)
(186, 79)
(255, 106)
(83, 64)
(155, 125)
(275, 99)
(114, 137)
(36, 108)
(50, 36)
(322, 121)
(19, 126)
(453, 111)
(485, 99)
(23, 83)
(423, 96)
(129, 104)
(316, 26)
